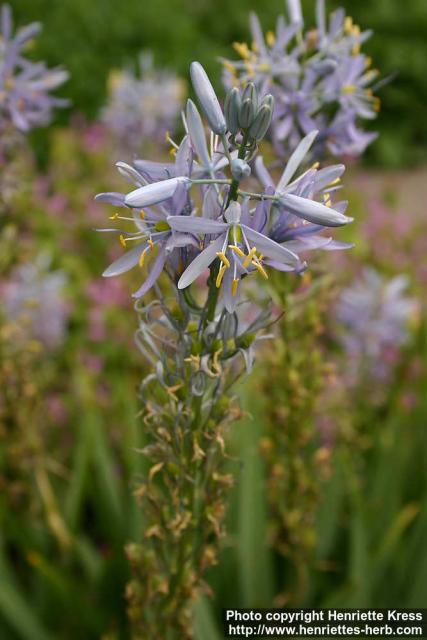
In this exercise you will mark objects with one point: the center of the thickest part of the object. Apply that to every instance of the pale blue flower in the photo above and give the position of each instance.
(143, 106)
(374, 315)
(25, 100)
(235, 233)
(34, 299)
(238, 247)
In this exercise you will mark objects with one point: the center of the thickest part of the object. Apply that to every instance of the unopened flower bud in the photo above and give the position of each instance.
(231, 110)
(295, 12)
(261, 123)
(240, 169)
(246, 114)
(324, 67)
(250, 91)
(268, 100)
(154, 193)
(249, 106)
(207, 98)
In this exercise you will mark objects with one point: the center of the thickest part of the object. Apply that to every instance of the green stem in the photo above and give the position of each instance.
(211, 181)
(256, 196)
(234, 188)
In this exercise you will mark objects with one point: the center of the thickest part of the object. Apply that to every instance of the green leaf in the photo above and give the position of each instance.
(204, 623)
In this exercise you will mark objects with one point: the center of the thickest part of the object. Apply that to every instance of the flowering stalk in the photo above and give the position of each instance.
(298, 460)
(187, 407)
(197, 214)
(320, 80)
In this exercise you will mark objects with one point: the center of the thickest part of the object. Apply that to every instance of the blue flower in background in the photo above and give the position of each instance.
(25, 86)
(318, 78)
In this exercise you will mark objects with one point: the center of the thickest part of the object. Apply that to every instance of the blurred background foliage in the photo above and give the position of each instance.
(90, 38)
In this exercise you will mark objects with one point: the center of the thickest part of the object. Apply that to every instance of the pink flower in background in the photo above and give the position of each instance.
(108, 292)
(93, 137)
(56, 409)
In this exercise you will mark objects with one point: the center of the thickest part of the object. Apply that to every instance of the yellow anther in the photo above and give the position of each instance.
(250, 69)
(348, 24)
(315, 165)
(142, 214)
(355, 50)
(223, 258)
(242, 49)
(151, 243)
(368, 62)
(167, 136)
(114, 216)
(237, 250)
(220, 275)
(227, 65)
(122, 240)
(327, 200)
(249, 257)
(142, 257)
(258, 266)
(270, 38)
(234, 286)
(336, 181)
(173, 151)
(349, 88)
(264, 67)
(377, 104)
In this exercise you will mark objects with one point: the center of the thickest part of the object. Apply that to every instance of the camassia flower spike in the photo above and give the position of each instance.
(210, 221)
(25, 86)
(235, 233)
(319, 78)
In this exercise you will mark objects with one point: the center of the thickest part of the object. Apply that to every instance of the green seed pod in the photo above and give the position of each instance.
(232, 109)
(245, 341)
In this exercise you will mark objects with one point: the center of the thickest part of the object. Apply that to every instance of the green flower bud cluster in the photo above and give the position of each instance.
(247, 114)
